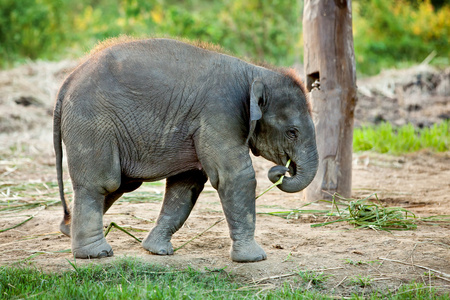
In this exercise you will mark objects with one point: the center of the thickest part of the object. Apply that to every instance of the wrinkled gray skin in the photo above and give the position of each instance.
(153, 109)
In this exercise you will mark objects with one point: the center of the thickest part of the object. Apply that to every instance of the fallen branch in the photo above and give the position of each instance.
(340, 282)
(292, 274)
(442, 278)
(275, 277)
(327, 269)
(415, 265)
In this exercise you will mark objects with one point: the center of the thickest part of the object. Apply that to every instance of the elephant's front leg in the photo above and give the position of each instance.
(88, 240)
(237, 193)
(182, 191)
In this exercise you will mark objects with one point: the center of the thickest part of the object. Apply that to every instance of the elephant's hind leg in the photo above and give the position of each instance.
(88, 240)
(95, 173)
(182, 191)
(64, 227)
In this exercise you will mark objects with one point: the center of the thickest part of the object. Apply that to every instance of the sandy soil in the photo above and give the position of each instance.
(419, 182)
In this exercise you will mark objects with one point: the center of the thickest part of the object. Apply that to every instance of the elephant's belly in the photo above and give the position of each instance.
(159, 167)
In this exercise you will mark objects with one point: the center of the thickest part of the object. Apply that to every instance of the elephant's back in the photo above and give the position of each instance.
(156, 72)
(134, 75)
(158, 62)
(138, 91)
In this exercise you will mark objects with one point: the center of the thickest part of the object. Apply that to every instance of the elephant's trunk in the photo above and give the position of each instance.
(303, 168)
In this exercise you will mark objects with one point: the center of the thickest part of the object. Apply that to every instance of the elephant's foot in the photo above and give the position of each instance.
(97, 249)
(248, 251)
(64, 228)
(158, 244)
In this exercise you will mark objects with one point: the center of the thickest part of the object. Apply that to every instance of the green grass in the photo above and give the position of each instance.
(314, 278)
(361, 213)
(384, 138)
(365, 213)
(361, 281)
(413, 291)
(15, 197)
(129, 278)
(18, 197)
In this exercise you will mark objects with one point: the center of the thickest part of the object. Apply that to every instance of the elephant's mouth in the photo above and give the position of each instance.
(301, 170)
(292, 165)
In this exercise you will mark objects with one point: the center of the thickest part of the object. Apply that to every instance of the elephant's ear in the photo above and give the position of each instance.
(256, 99)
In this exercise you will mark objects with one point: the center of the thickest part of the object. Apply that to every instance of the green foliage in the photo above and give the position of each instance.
(32, 29)
(395, 33)
(250, 28)
(384, 138)
(46, 28)
(386, 33)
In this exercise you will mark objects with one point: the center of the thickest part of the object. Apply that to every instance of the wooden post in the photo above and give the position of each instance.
(329, 60)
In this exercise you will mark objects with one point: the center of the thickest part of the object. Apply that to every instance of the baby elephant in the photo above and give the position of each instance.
(145, 110)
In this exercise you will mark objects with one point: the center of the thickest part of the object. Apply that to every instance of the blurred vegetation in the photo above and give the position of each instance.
(398, 33)
(47, 28)
(384, 138)
(387, 33)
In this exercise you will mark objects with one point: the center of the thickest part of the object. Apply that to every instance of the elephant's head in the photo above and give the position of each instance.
(281, 128)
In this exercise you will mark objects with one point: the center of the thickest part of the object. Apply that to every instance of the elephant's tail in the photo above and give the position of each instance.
(57, 144)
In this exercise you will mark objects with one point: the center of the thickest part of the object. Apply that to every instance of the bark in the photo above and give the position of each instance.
(331, 77)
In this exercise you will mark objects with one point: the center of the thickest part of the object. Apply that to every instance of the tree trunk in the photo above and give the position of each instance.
(331, 77)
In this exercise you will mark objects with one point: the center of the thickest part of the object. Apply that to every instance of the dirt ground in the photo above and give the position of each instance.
(419, 182)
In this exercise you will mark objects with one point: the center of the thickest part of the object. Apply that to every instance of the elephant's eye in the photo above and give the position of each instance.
(292, 133)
